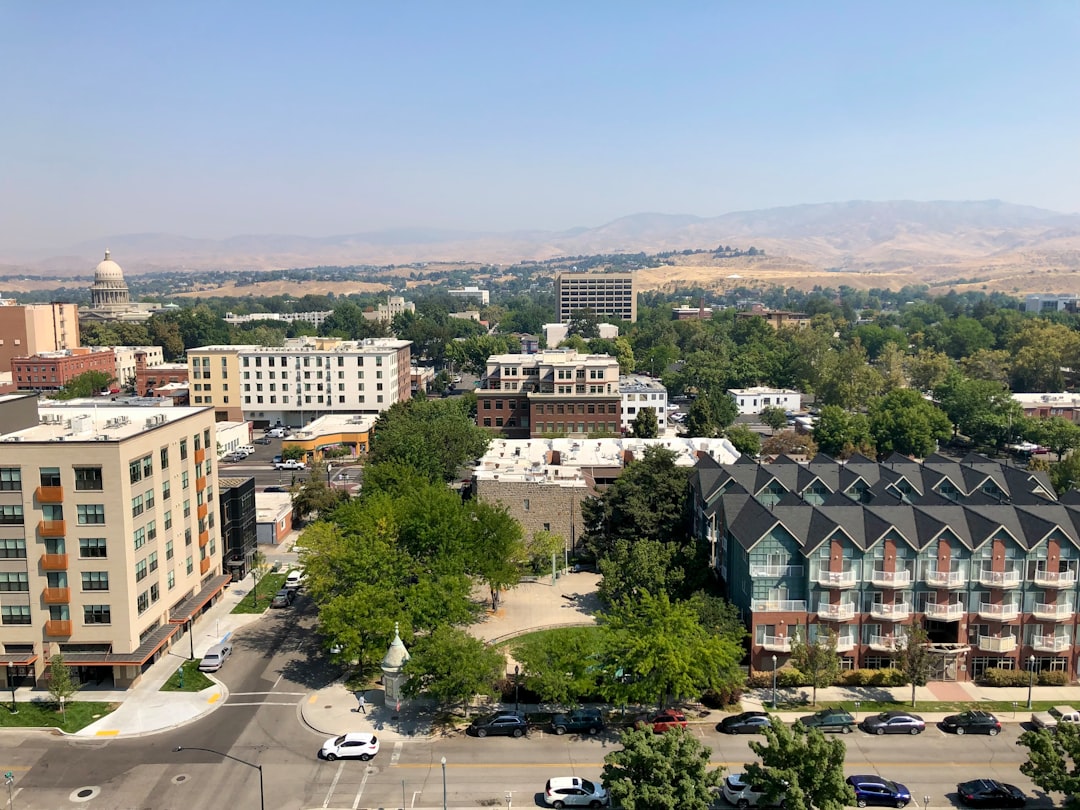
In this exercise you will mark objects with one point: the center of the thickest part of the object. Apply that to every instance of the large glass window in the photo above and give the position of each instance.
(135, 471)
(14, 581)
(15, 614)
(95, 580)
(50, 476)
(164, 458)
(90, 513)
(11, 515)
(140, 570)
(10, 479)
(97, 614)
(13, 549)
(93, 547)
(88, 479)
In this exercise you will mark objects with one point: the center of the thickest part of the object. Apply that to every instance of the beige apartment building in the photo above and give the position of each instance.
(602, 293)
(35, 328)
(109, 543)
(214, 377)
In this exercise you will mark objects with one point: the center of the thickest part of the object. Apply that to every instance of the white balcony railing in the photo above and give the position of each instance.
(776, 571)
(890, 611)
(1054, 579)
(1000, 613)
(891, 579)
(945, 579)
(946, 612)
(776, 643)
(1052, 644)
(1059, 612)
(884, 643)
(999, 579)
(998, 644)
(778, 606)
(845, 643)
(836, 579)
(838, 612)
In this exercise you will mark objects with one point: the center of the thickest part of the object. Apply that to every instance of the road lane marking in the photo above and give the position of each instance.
(107, 732)
(397, 753)
(313, 698)
(257, 703)
(363, 784)
(214, 698)
(279, 677)
(279, 694)
(333, 784)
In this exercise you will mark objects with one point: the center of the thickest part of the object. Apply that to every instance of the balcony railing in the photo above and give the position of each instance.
(201, 511)
(999, 579)
(54, 562)
(204, 538)
(58, 627)
(200, 456)
(52, 528)
(1053, 644)
(778, 606)
(49, 494)
(884, 643)
(1000, 613)
(1002, 644)
(204, 565)
(836, 579)
(845, 643)
(1059, 612)
(1054, 579)
(890, 611)
(891, 579)
(945, 579)
(776, 643)
(56, 596)
(775, 571)
(838, 612)
(200, 483)
(949, 612)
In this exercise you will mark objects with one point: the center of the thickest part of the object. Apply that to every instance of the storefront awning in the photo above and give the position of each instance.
(191, 606)
(18, 659)
(154, 642)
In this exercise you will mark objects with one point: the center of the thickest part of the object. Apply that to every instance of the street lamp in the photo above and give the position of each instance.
(774, 682)
(191, 637)
(9, 780)
(1031, 677)
(262, 793)
(517, 704)
(444, 783)
(329, 469)
(11, 686)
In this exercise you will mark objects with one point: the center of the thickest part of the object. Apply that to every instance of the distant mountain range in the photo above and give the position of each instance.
(857, 235)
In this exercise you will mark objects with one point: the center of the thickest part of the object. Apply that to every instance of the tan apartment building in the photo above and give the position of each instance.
(214, 377)
(109, 542)
(603, 293)
(34, 328)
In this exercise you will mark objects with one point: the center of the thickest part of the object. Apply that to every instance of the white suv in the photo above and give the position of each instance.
(740, 794)
(573, 791)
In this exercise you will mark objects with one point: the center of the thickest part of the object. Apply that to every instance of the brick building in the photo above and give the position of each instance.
(51, 371)
(149, 377)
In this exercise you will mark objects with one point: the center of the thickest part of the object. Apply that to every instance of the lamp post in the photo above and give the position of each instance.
(9, 780)
(517, 703)
(329, 470)
(191, 637)
(262, 793)
(1031, 677)
(11, 686)
(774, 682)
(443, 783)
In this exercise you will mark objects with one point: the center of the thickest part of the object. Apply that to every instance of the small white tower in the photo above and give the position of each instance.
(393, 662)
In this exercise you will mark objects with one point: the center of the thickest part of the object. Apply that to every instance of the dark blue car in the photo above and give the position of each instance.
(875, 791)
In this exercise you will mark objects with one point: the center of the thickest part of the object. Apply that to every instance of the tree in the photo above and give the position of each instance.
(87, 384)
(840, 433)
(1053, 762)
(259, 566)
(984, 410)
(744, 439)
(585, 324)
(1060, 435)
(539, 550)
(494, 545)
(645, 425)
(667, 771)
(774, 416)
(710, 413)
(927, 368)
(1065, 474)
(903, 422)
(453, 667)
(316, 496)
(912, 657)
(434, 437)
(633, 566)
(847, 379)
(61, 683)
(803, 766)
(817, 659)
(788, 442)
(559, 665)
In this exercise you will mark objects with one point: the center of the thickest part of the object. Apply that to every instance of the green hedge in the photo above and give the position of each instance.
(788, 677)
(1054, 678)
(873, 677)
(1004, 677)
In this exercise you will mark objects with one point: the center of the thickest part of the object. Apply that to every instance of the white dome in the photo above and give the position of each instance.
(108, 270)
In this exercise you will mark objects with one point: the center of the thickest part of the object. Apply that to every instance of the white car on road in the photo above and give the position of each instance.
(354, 745)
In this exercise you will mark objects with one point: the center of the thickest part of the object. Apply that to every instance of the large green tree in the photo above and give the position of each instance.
(645, 425)
(560, 665)
(803, 766)
(816, 658)
(667, 771)
(452, 667)
(87, 384)
(903, 422)
(912, 656)
(434, 437)
(1060, 435)
(1053, 761)
(744, 439)
(984, 410)
(709, 414)
(840, 433)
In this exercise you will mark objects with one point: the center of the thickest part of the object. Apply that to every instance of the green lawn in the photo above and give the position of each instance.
(193, 680)
(77, 714)
(1003, 707)
(270, 584)
(516, 640)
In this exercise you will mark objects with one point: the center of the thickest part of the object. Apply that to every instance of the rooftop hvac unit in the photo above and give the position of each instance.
(101, 437)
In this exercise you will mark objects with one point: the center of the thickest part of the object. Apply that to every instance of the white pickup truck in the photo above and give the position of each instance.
(289, 464)
(1058, 714)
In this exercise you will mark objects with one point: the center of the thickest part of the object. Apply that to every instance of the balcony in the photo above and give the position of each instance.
(998, 613)
(49, 494)
(950, 612)
(201, 511)
(776, 643)
(845, 643)
(836, 579)
(890, 579)
(946, 579)
(890, 611)
(778, 606)
(836, 613)
(995, 644)
(56, 596)
(776, 571)
(1054, 613)
(884, 643)
(1051, 644)
(52, 528)
(1054, 579)
(58, 627)
(54, 562)
(204, 565)
(200, 483)
(200, 456)
(204, 538)
(999, 579)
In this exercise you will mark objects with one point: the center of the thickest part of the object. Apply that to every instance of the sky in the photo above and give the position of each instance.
(210, 119)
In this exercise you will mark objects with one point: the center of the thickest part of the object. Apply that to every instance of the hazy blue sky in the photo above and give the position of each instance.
(216, 118)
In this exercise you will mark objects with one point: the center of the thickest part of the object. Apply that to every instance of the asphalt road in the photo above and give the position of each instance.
(260, 466)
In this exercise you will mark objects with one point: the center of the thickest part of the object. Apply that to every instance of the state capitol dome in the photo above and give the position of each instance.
(109, 286)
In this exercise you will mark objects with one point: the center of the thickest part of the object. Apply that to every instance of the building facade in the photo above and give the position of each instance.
(125, 360)
(752, 401)
(110, 299)
(777, 318)
(602, 293)
(639, 392)
(110, 537)
(237, 512)
(214, 380)
(35, 328)
(395, 305)
(1047, 406)
(1052, 302)
(316, 318)
(51, 371)
(980, 554)
(472, 294)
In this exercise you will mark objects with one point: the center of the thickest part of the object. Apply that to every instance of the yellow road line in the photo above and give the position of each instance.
(214, 698)
(14, 767)
(313, 698)
(107, 732)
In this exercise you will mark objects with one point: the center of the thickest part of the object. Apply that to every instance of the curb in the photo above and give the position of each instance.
(126, 735)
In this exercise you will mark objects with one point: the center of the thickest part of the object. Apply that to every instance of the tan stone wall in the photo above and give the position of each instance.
(538, 506)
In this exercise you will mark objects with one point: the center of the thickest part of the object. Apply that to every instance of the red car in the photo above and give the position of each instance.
(662, 721)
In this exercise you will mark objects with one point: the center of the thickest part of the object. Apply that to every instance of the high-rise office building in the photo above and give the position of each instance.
(601, 293)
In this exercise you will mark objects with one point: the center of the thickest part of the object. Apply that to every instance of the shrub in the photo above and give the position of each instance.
(760, 680)
(1055, 678)
(888, 677)
(1004, 677)
(856, 677)
(720, 698)
(787, 678)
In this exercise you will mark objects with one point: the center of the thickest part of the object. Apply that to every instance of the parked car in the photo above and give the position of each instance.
(871, 789)
(294, 579)
(215, 657)
(662, 721)
(263, 440)
(232, 458)
(290, 464)
(275, 433)
(972, 723)
(246, 449)
(741, 794)
(507, 724)
(744, 723)
(277, 459)
(590, 721)
(990, 793)
(830, 720)
(275, 489)
(893, 723)
(354, 745)
(282, 599)
(573, 791)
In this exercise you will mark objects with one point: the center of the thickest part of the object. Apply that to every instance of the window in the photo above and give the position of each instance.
(97, 614)
(15, 614)
(184, 480)
(90, 514)
(135, 470)
(148, 466)
(50, 476)
(140, 538)
(164, 458)
(168, 521)
(149, 496)
(169, 550)
(92, 547)
(171, 579)
(88, 479)
(136, 506)
(14, 581)
(140, 570)
(166, 490)
(11, 479)
(190, 564)
(151, 530)
(183, 449)
(13, 549)
(187, 507)
(152, 560)
(143, 602)
(155, 592)
(187, 538)
(11, 515)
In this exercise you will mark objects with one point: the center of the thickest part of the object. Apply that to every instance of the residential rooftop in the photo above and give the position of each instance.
(83, 424)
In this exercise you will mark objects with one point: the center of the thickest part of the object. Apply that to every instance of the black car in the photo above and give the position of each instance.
(972, 723)
(587, 720)
(745, 723)
(508, 724)
(893, 723)
(990, 793)
(830, 720)
(276, 489)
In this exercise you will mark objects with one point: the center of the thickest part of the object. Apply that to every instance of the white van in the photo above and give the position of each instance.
(215, 657)
(246, 449)
(276, 433)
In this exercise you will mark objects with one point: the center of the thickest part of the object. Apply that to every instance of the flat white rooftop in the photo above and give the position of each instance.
(82, 424)
(334, 423)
